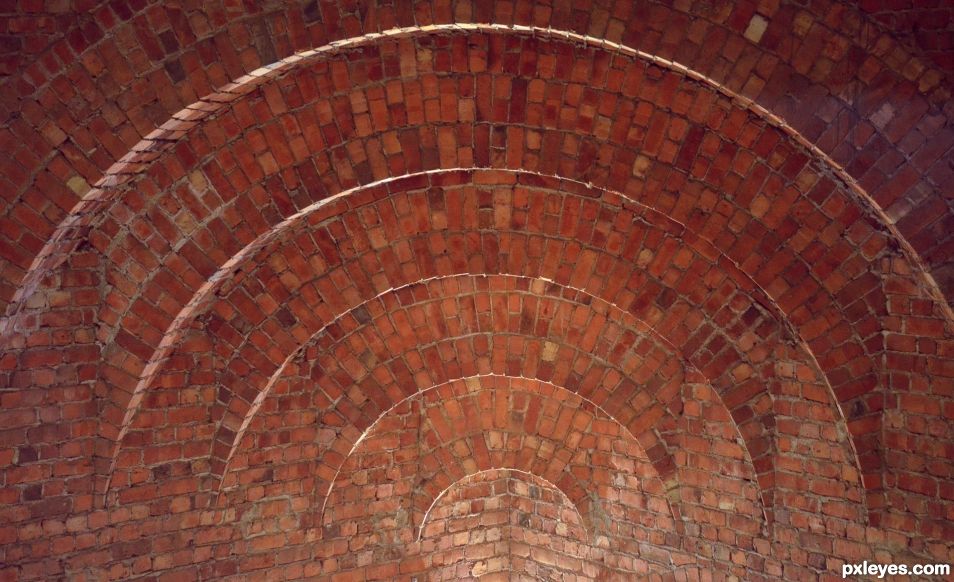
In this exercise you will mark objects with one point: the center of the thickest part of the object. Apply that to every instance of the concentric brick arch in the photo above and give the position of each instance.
(447, 431)
(740, 396)
(550, 357)
(517, 486)
(852, 390)
(659, 368)
(66, 237)
(561, 19)
(529, 476)
(594, 372)
(354, 388)
(288, 404)
(881, 342)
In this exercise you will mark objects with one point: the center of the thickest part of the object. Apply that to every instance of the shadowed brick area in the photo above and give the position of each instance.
(595, 290)
(927, 25)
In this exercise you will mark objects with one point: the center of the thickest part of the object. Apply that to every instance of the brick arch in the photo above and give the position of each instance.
(619, 25)
(358, 366)
(865, 285)
(71, 168)
(858, 391)
(499, 425)
(631, 375)
(75, 226)
(246, 402)
(237, 408)
(530, 477)
(424, 362)
(853, 390)
(632, 362)
(866, 426)
(288, 428)
(866, 282)
(525, 492)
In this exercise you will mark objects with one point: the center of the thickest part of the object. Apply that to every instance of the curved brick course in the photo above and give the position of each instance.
(783, 73)
(474, 426)
(233, 239)
(331, 293)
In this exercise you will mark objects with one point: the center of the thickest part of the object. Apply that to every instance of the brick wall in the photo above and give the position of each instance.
(607, 290)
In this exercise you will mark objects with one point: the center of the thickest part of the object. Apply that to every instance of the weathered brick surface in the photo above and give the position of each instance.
(610, 317)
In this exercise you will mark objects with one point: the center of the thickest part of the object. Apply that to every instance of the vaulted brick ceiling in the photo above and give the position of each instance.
(592, 290)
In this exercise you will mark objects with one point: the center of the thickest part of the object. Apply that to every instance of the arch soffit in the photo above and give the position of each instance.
(166, 136)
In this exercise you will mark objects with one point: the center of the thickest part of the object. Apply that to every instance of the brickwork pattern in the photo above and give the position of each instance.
(927, 25)
(589, 291)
